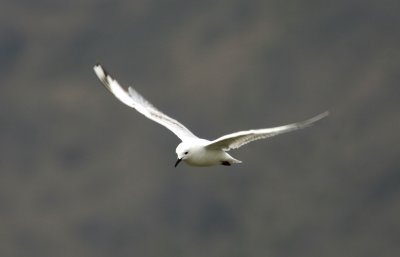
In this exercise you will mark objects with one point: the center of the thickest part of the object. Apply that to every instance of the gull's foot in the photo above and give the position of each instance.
(226, 163)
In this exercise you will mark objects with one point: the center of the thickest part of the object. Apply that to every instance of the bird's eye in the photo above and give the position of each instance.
(186, 152)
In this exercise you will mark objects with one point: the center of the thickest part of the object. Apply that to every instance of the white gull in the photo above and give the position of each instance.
(193, 150)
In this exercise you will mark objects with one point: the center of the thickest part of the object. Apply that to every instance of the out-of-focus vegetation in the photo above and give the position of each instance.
(83, 175)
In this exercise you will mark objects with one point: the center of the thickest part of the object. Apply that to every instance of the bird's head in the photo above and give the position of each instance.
(183, 152)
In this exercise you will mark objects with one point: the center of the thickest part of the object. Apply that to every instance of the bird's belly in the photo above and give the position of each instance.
(206, 158)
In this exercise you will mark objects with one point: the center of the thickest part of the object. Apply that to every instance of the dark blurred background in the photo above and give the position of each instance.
(84, 175)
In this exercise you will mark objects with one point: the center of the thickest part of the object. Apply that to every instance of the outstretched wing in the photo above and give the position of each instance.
(236, 140)
(133, 99)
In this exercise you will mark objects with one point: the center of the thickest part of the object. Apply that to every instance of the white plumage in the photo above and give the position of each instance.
(194, 150)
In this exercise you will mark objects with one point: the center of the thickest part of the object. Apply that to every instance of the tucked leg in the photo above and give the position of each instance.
(226, 163)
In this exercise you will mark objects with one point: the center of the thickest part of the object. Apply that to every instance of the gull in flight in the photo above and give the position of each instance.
(193, 150)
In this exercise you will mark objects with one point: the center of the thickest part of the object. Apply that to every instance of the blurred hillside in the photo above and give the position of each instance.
(84, 175)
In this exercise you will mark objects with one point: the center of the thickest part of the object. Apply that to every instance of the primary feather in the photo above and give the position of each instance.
(238, 139)
(133, 99)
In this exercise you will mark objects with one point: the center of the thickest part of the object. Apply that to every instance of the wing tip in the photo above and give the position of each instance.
(314, 119)
(97, 66)
(102, 74)
(321, 116)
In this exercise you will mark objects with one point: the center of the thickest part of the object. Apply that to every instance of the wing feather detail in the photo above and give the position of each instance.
(135, 100)
(238, 139)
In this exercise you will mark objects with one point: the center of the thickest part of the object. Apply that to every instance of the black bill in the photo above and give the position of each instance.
(177, 162)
